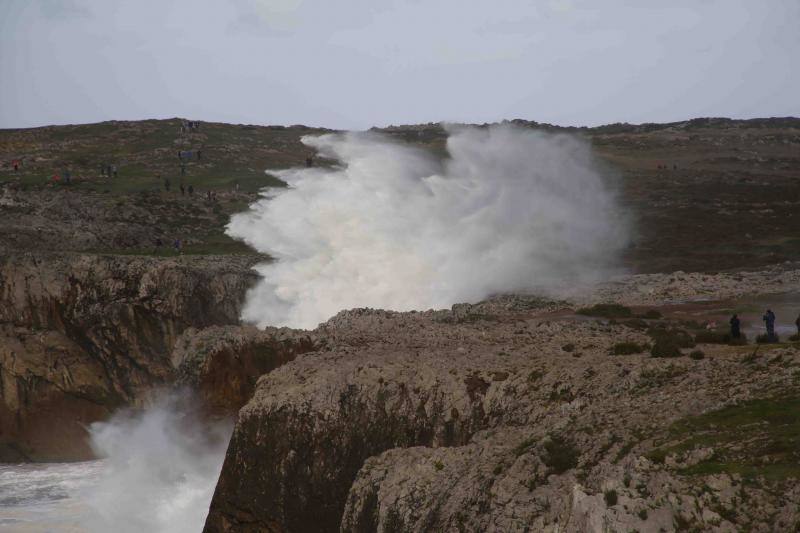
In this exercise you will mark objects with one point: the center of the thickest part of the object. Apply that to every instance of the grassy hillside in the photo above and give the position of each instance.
(145, 150)
(705, 194)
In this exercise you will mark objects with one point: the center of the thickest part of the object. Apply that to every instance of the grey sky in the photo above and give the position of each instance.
(358, 63)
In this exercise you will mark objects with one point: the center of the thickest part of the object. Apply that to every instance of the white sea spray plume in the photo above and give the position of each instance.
(394, 227)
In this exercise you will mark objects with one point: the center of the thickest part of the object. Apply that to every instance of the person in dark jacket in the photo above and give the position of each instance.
(735, 323)
(797, 323)
(769, 319)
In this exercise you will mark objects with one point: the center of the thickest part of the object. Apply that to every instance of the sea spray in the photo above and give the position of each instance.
(161, 465)
(394, 227)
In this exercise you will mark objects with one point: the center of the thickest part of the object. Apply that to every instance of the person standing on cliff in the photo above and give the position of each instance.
(735, 323)
(769, 319)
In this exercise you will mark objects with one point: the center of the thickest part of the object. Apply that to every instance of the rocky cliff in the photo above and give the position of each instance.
(222, 363)
(81, 335)
(517, 415)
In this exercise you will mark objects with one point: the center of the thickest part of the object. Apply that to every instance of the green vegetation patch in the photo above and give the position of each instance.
(753, 439)
(626, 348)
(609, 310)
(560, 454)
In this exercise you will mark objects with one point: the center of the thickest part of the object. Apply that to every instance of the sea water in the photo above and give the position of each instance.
(157, 474)
(47, 497)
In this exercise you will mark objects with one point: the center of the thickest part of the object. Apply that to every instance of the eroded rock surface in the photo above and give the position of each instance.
(491, 418)
(83, 334)
(222, 363)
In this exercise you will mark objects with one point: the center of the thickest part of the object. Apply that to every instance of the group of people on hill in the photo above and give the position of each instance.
(65, 176)
(183, 188)
(769, 322)
(189, 125)
(108, 170)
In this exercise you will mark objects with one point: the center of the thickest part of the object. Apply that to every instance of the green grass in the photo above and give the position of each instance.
(759, 438)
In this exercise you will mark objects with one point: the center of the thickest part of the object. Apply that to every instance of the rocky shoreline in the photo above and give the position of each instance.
(496, 417)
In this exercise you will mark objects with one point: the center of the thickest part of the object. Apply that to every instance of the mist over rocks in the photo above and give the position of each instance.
(393, 227)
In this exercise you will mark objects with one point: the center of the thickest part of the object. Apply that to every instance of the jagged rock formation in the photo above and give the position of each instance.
(500, 417)
(84, 334)
(222, 363)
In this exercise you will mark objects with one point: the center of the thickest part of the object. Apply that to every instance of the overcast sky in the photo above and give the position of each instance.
(359, 63)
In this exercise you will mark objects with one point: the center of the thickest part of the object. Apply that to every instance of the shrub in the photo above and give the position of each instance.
(642, 514)
(560, 454)
(610, 496)
(711, 337)
(766, 339)
(658, 456)
(635, 323)
(665, 348)
(678, 337)
(795, 337)
(741, 341)
(652, 314)
(607, 311)
(697, 355)
(568, 347)
(626, 348)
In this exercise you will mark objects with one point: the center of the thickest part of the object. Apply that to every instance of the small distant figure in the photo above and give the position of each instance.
(191, 190)
(177, 245)
(114, 170)
(159, 244)
(769, 319)
(183, 170)
(166, 184)
(183, 190)
(236, 187)
(797, 323)
(208, 195)
(309, 161)
(198, 155)
(16, 165)
(735, 327)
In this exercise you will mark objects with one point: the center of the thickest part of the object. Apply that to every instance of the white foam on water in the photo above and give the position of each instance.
(158, 473)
